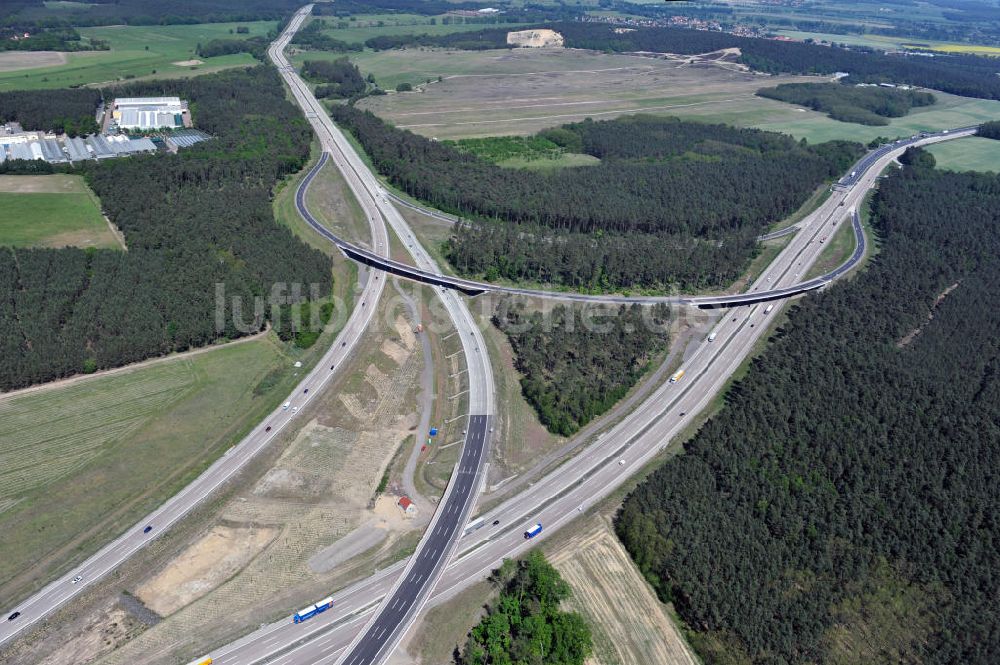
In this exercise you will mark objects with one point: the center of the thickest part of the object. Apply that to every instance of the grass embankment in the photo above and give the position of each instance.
(81, 462)
(119, 444)
(839, 246)
(138, 52)
(51, 211)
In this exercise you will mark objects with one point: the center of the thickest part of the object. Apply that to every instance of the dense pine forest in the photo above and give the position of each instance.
(34, 14)
(339, 78)
(526, 625)
(990, 130)
(671, 202)
(872, 105)
(576, 364)
(64, 111)
(968, 75)
(191, 221)
(842, 508)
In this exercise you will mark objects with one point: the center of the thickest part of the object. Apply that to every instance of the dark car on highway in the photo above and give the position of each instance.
(13, 616)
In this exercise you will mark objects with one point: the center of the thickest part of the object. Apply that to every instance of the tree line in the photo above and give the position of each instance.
(194, 223)
(990, 130)
(871, 105)
(311, 37)
(697, 194)
(340, 78)
(959, 74)
(63, 111)
(526, 624)
(33, 14)
(576, 364)
(849, 485)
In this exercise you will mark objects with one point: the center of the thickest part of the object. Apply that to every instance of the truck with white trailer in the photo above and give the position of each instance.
(312, 610)
(533, 531)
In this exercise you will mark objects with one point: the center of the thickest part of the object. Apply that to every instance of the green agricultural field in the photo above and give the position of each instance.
(137, 52)
(949, 111)
(544, 164)
(51, 211)
(83, 460)
(971, 154)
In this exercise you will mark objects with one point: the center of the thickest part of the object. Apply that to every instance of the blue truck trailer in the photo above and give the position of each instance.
(312, 610)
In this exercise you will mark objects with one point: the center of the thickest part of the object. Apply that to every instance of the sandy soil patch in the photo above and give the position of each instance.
(315, 494)
(405, 332)
(536, 38)
(394, 350)
(83, 238)
(188, 63)
(630, 624)
(13, 60)
(201, 567)
(109, 628)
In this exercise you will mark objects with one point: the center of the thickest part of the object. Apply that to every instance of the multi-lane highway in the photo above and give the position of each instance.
(402, 604)
(398, 593)
(565, 492)
(436, 277)
(59, 592)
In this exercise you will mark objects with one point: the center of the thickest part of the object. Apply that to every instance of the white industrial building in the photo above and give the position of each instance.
(149, 112)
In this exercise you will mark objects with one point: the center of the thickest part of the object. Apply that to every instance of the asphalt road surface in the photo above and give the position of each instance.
(567, 491)
(62, 590)
(391, 620)
(554, 500)
(435, 277)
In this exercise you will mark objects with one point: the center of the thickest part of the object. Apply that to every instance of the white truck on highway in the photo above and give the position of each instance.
(533, 531)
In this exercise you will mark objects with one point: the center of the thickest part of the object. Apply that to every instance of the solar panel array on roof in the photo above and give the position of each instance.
(185, 138)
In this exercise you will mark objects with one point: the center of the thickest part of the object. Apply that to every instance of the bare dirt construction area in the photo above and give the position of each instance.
(11, 61)
(219, 554)
(188, 63)
(536, 38)
(252, 563)
(110, 627)
(629, 623)
(521, 91)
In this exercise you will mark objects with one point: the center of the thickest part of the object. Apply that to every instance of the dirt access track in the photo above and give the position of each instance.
(521, 91)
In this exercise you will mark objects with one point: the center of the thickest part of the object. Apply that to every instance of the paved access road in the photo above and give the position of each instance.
(390, 621)
(471, 287)
(557, 498)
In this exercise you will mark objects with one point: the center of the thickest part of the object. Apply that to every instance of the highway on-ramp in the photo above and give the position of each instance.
(435, 277)
(403, 603)
(555, 499)
(585, 479)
